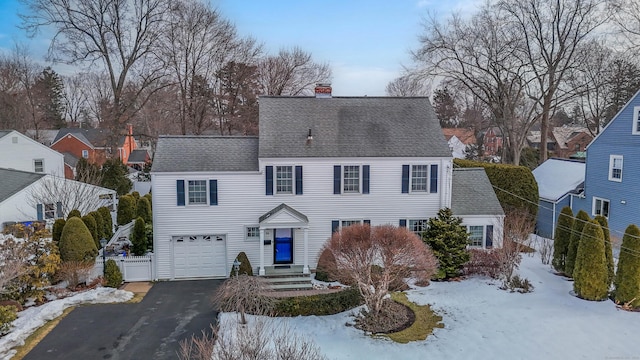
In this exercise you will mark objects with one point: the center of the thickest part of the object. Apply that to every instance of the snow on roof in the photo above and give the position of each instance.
(556, 177)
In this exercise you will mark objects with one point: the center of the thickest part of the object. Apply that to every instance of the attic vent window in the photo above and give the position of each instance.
(14, 139)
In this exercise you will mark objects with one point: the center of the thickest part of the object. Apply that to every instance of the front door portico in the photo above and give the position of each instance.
(282, 222)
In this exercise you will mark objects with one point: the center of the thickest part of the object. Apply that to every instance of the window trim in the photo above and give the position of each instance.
(483, 237)
(85, 154)
(188, 192)
(635, 126)
(594, 200)
(426, 178)
(344, 182)
(612, 159)
(425, 226)
(291, 180)
(35, 167)
(246, 233)
(49, 208)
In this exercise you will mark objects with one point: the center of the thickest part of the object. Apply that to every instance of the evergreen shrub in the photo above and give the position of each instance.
(76, 242)
(245, 265)
(113, 276)
(590, 270)
(627, 281)
(576, 232)
(319, 305)
(126, 209)
(561, 238)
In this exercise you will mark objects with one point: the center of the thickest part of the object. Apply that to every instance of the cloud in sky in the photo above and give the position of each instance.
(351, 80)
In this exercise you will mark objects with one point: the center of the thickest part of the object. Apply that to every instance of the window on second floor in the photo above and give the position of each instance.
(284, 180)
(38, 165)
(615, 168)
(419, 177)
(351, 179)
(85, 154)
(197, 192)
(600, 207)
(636, 121)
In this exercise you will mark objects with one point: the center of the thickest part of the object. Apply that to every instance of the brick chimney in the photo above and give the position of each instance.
(129, 129)
(323, 91)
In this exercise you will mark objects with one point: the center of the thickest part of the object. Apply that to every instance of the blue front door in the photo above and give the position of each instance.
(283, 246)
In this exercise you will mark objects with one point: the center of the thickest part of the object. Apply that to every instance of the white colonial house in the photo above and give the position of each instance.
(20, 152)
(318, 164)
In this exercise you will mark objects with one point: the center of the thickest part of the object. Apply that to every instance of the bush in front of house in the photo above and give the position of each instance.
(448, 240)
(243, 294)
(56, 231)
(245, 265)
(99, 225)
(107, 222)
(561, 238)
(576, 232)
(126, 209)
(91, 224)
(608, 250)
(139, 237)
(148, 197)
(74, 213)
(8, 314)
(75, 273)
(322, 304)
(143, 210)
(113, 276)
(76, 242)
(590, 270)
(627, 281)
(484, 263)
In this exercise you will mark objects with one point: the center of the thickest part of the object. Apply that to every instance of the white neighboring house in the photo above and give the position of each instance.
(318, 164)
(20, 152)
(27, 196)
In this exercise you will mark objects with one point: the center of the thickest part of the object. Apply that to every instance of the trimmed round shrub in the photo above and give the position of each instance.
(139, 237)
(136, 195)
(576, 232)
(113, 276)
(91, 224)
(590, 270)
(107, 222)
(56, 231)
(143, 210)
(326, 261)
(608, 250)
(245, 265)
(76, 242)
(126, 210)
(627, 281)
(561, 238)
(74, 212)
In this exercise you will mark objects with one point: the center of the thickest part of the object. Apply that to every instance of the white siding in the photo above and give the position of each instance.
(21, 155)
(242, 200)
(496, 221)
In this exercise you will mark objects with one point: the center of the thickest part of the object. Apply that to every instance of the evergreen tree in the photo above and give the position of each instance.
(445, 108)
(107, 222)
(148, 197)
(608, 250)
(56, 231)
(448, 240)
(91, 224)
(114, 176)
(136, 195)
(139, 237)
(74, 213)
(76, 242)
(562, 238)
(49, 89)
(627, 281)
(590, 270)
(143, 210)
(126, 210)
(99, 224)
(576, 232)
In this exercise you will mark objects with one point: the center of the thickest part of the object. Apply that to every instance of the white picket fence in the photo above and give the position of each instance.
(133, 268)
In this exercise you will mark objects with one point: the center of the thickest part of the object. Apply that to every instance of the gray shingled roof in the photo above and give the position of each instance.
(472, 193)
(206, 153)
(138, 156)
(94, 137)
(4, 133)
(350, 127)
(15, 180)
(280, 207)
(70, 159)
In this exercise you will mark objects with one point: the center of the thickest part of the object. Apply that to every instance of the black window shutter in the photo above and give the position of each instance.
(213, 192)
(39, 211)
(403, 222)
(365, 179)
(299, 180)
(405, 179)
(180, 191)
(59, 209)
(337, 173)
(335, 224)
(269, 180)
(489, 237)
(433, 186)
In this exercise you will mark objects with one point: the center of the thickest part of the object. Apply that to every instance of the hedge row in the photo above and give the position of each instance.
(323, 304)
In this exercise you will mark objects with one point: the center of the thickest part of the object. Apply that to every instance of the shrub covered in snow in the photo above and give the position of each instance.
(590, 270)
(627, 281)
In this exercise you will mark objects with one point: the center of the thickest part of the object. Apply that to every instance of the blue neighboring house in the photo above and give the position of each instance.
(612, 171)
(557, 179)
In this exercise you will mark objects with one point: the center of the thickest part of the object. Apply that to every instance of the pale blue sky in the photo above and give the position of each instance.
(365, 42)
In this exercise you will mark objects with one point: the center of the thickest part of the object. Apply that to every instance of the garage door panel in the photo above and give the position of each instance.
(199, 256)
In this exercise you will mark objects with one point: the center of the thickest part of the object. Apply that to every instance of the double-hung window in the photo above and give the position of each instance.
(615, 168)
(600, 207)
(49, 211)
(351, 179)
(419, 227)
(85, 154)
(636, 121)
(284, 180)
(38, 165)
(476, 235)
(419, 177)
(197, 192)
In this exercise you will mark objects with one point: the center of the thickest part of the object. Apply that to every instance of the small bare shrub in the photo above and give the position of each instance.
(244, 294)
(483, 263)
(198, 347)
(516, 283)
(74, 273)
(545, 248)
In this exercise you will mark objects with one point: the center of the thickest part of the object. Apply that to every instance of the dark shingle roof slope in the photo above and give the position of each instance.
(472, 193)
(138, 156)
(93, 137)
(4, 133)
(70, 159)
(350, 127)
(206, 153)
(12, 181)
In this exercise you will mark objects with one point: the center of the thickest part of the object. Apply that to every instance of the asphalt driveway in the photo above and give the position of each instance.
(151, 329)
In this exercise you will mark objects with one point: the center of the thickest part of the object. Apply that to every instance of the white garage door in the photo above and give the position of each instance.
(199, 256)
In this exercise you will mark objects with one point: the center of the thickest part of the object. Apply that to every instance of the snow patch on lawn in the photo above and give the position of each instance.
(33, 318)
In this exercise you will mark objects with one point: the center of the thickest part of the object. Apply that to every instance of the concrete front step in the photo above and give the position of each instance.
(288, 279)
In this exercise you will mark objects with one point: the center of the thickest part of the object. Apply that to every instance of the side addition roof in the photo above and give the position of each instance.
(15, 180)
(205, 153)
(472, 193)
(349, 127)
(557, 177)
(138, 156)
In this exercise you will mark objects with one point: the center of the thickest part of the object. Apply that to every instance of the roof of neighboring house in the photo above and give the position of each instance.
(93, 137)
(15, 180)
(4, 133)
(565, 133)
(472, 193)
(45, 137)
(349, 127)
(206, 153)
(466, 136)
(557, 177)
(534, 137)
(70, 159)
(138, 156)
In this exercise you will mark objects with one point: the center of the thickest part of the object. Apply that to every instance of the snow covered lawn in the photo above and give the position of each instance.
(32, 318)
(482, 321)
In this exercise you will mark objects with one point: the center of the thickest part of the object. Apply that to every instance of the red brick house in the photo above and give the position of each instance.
(492, 142)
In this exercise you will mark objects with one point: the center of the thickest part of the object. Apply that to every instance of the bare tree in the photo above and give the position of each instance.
(292, 72)
(627, 19)
(375, 257)
(243, 294)
(69, 194)
(13, 261)
(408, 85)
(76, 98)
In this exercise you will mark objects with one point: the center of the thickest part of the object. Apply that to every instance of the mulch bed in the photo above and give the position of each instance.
(393, 318)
